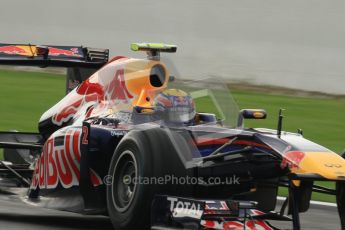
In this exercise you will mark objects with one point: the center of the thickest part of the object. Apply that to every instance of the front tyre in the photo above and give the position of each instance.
(139, 157)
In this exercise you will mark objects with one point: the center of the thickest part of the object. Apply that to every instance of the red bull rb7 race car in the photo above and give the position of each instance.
(151, 151)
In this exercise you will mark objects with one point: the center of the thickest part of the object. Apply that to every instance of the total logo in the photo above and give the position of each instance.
(59, 163)
(185, 208)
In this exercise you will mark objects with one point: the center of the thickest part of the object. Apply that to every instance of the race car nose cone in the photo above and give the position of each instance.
(328, 165)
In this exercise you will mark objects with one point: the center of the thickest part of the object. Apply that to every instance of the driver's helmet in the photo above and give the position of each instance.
(175, 106)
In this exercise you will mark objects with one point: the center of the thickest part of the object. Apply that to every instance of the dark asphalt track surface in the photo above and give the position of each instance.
(15, 215)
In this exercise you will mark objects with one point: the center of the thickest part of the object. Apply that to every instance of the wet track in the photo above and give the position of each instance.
(15, 215)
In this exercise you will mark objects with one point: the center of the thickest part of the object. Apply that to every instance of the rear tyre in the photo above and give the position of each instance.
(141, 155)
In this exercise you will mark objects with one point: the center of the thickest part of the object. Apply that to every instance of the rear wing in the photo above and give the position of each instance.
(48, 55)
(81, 62)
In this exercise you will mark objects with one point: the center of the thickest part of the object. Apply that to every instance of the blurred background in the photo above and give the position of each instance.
(296, 44)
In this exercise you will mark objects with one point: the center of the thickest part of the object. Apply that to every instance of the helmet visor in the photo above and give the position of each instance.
(180, 114)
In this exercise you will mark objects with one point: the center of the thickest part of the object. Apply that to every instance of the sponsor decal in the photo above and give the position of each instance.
(216, 205)
(333, 165)
(59, 163)
(13, 50)
(95, 97)
(236, 225)
(118, 133)
(27, 50)
(117, 89)
(229, 208)
(68, 112)
(185, 208)
(73, 52)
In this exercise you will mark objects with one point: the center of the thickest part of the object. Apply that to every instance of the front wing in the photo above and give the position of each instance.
(184, 213)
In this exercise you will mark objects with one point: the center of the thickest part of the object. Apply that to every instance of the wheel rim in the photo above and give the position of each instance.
(124, 186)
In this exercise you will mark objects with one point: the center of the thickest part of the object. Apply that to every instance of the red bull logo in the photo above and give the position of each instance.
(68, 112)
(73, 52)
(60, 163)
(13, 50)
(103, 97)
(117, 89)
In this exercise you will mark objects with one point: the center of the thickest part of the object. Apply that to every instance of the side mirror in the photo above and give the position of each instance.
(250, 114)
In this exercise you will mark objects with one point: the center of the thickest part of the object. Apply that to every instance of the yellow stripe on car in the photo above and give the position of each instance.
(328, 165)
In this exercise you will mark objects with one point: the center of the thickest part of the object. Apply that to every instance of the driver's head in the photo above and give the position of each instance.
(175, 106)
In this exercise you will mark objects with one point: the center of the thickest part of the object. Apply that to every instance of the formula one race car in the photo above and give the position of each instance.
(153, 151)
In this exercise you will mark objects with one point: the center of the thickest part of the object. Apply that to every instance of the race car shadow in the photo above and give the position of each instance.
(59, 221)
